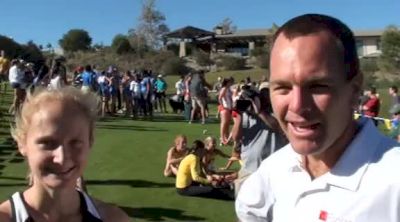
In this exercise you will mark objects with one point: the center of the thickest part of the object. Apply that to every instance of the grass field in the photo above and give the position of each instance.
(127, 160)
(126, 167)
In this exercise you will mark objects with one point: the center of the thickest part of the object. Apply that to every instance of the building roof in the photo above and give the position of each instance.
(246, 33)
(188, 32)
(367, 33)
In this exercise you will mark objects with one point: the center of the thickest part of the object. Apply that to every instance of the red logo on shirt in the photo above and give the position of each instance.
(323, 215)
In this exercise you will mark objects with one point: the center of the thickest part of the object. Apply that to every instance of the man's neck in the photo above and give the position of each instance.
(319, 164)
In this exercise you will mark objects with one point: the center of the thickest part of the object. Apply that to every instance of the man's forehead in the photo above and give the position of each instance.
(319, 37)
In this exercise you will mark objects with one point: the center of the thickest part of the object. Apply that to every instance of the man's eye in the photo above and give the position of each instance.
(281, 88)
(47, 144)
(319, 88)
(77, 143)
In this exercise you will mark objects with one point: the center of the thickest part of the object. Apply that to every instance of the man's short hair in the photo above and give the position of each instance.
(372, 89)
(312, 23)
(394, 88)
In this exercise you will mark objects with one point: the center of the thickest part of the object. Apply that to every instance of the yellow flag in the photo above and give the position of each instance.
(388, 124)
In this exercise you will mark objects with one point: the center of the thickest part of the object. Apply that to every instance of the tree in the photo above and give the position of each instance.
(30, 52)
(75, 40)
(10, 47)
(227, 26)
(390, 57)
(121, 45)
(151, 25)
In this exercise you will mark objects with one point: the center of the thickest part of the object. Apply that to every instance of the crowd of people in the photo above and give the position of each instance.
(133, 93)
(303, 156)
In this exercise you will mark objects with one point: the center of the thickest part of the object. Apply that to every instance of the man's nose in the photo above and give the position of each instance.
(300, 100)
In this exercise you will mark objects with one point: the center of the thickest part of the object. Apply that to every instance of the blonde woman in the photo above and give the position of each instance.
(175, 155)
(54, 132)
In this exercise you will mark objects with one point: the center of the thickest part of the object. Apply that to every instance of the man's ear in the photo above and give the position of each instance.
(356, 85)
(91, 138)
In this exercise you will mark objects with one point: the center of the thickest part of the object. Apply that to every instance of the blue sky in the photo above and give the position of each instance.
(45, 21)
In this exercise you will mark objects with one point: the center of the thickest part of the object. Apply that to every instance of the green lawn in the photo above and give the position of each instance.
(126, 165)
(126, 168)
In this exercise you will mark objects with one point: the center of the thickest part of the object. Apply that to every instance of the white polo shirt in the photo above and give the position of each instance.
(363, 186)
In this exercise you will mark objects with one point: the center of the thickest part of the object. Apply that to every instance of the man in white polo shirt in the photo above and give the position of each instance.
(334, 169)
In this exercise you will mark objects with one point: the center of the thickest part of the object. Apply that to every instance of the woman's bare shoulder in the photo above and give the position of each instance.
(110, 212)
(5, 211)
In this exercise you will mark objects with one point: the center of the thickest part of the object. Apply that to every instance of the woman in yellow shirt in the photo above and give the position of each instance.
(190, 180)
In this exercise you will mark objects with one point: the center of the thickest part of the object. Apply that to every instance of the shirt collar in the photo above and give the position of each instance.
(351, 166)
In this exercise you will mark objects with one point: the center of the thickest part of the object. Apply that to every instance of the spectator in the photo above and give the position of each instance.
(190, 182)
(16, 77)
(58, 72)
(209, 159)
(134, 87)
(4, 67)
(161, 88)
(115, 92)
(198, 94)
(395, 130)
(256, 132)
(87, 79)
(371, 107)
(146, 89)
(225, 109)
(187, 101)
(393, 90)
(180, 87)
(175, 155)
(50, 135)
(42, 71)
(126, 93)
(217, 86)
(104, 85)
(335, 168)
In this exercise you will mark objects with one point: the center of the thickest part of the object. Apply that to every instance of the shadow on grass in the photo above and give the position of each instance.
(159, 214)
(133, 128)
(22, 181)
(13, 178)
(169, 118)
(7, 149)
(14, 184)
(131, 183)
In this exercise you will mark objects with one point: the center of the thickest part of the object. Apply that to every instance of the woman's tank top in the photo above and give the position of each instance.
(20, 214)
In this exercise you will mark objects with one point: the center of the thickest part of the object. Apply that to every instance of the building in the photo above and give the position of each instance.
(368, 43)
(241, 42)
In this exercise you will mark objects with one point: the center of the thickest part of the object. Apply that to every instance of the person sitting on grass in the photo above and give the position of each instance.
(54, 132)
(208, 160)
(174, 155)
(190, 180)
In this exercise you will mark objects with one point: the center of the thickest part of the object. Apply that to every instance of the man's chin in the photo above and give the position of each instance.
(307, 148)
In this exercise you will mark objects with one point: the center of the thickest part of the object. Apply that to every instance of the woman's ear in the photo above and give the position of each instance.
(21, 148)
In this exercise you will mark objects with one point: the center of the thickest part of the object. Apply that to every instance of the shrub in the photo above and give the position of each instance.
(232, 63)
(174, 48)
(202, 58)
(369, 65)
(174, 66)
(262, 57)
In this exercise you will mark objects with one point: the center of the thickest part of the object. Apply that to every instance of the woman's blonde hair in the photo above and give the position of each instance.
(86, 102)
(178, 138)
(209, 139)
